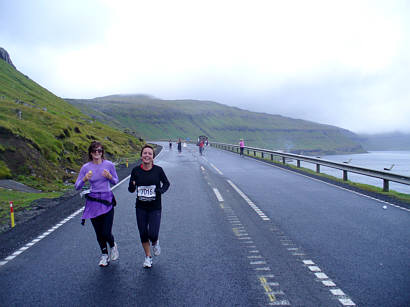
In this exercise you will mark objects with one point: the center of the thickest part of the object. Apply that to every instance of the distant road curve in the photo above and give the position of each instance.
(17, 186)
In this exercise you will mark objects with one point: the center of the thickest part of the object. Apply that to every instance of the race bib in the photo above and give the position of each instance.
(146, 193)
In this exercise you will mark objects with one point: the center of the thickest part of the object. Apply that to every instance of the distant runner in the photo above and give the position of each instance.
(146, 179)
(99, 206)
(241, 147)
(179, 145)
(201, 147)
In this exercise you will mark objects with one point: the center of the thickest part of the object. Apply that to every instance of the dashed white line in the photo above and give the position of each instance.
(218, 195)
(250, 203)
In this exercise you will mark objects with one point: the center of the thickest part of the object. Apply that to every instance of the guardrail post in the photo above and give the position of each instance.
(317, 168)
(385, 185)
(283, 160)
(298, 163)
(345, 175)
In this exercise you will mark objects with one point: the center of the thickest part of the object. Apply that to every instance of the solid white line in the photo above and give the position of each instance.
(219, 172)
(334, 185)
(119, 183)
(218, 195)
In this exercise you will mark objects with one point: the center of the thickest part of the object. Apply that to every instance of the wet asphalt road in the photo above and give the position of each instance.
(219, 250)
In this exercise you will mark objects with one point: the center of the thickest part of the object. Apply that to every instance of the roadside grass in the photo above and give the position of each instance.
(21, 201)
(366, 187)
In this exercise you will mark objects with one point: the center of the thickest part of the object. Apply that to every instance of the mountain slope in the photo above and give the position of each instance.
(43, 138)
(163, 119)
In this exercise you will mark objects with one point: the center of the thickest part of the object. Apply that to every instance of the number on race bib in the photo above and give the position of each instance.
(146, 193)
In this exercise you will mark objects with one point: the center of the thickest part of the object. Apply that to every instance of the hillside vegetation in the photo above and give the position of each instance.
(156, 119)
(44, 139)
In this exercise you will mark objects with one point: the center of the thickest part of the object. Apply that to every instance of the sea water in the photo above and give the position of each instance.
(376, 160)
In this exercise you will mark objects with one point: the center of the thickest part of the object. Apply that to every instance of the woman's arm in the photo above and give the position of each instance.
(164, 180)
(131, 184)
(114, 176)
(80, 179)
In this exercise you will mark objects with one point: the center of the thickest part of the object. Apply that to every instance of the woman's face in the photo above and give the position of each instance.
(96, 153)
(147, 155)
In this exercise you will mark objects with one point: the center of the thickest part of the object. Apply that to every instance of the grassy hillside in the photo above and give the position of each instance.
(44, 139)
(163, 119)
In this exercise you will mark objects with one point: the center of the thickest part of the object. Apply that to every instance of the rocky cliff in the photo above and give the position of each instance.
(5, 56)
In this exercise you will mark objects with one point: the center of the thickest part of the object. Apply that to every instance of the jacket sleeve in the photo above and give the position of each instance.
(113, 172)
(79, 183)
(131, 186)
(164, 180)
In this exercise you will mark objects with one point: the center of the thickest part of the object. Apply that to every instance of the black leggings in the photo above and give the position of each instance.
(103, 226)
(148, 224)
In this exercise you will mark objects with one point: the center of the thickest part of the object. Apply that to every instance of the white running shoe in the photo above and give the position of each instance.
(147, 262)
(157, 249)
(105, 260)
(114, 254)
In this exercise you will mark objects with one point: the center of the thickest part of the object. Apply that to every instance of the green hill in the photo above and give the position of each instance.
(44, 139)
(156, 119)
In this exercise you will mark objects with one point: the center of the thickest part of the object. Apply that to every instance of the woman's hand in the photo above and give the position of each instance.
(107, 174)
(88, 176)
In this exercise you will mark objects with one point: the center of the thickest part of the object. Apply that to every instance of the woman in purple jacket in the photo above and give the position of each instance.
(99, 204)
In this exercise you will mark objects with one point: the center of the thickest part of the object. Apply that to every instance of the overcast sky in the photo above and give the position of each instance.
(344, 63)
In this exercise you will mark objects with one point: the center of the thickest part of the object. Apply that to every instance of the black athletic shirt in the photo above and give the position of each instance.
(148, 187)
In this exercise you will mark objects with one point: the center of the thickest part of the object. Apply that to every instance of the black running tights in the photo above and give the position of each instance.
(148, 224)
(103, 226)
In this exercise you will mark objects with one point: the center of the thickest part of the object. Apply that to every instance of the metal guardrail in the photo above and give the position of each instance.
(385, 176)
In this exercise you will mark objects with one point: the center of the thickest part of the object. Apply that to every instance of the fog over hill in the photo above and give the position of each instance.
(386, 141)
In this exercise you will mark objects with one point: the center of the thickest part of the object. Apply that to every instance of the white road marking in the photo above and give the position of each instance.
(250, 203)
(328, 283)
(321, 275)
(337, 292)
(218, 171)
(334, 185)
(347, 302)
(218, 195)
(314, 268)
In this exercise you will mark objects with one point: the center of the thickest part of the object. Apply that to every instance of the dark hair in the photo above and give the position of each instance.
(148, 146)
(92, 147)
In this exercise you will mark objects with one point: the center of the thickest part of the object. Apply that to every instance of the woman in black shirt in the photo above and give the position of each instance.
(146, 180)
